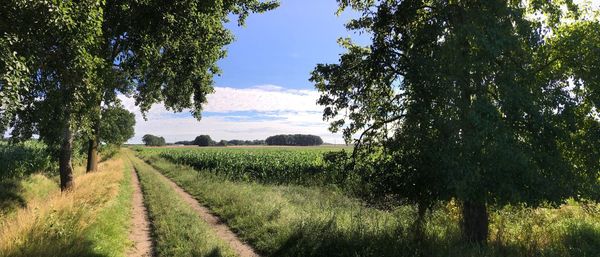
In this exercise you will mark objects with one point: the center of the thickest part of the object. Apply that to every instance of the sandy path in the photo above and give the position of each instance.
(221, 230)
(140, 231)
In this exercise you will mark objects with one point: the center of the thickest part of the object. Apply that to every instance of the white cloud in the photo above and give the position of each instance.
(233, 113)
(264, 98)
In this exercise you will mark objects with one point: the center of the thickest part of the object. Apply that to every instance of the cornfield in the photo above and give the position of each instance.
(265, 165)
(25, 158)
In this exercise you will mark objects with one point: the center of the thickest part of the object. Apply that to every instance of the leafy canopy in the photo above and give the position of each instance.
(152, 140)
(487, 101)
(60, 59)
(117, 125)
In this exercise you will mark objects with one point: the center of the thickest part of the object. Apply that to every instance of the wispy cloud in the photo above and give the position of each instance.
(234, 113)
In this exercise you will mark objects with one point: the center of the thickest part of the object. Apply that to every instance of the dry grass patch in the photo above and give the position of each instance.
(57, 226)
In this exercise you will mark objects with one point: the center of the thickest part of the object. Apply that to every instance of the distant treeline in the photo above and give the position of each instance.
(205, 140)
(152, 140)
(297, 140)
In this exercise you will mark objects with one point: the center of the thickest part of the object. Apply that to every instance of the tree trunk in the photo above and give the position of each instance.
(92, 161)
(66, 151)
(420, 224)
(475, 222)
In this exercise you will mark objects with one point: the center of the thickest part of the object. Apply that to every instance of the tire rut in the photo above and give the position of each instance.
(140, 233)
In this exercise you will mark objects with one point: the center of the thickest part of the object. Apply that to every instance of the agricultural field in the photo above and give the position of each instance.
(297, 219)
(274, 165)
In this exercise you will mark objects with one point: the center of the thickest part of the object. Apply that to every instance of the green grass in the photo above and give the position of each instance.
(110, 232)
(294, 220)
(177, 228)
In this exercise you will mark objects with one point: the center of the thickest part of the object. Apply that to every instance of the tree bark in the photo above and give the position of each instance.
(475, 222)
(65, 164)
(92, 161)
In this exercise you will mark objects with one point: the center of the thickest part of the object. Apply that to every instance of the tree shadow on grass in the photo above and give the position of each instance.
(325, 239)
(582, 239)
(216, 252)
(10, 196)
(72, 247)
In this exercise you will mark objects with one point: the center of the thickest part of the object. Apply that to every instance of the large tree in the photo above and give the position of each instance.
(52, 45)
(487, 102)
(116, 127)
(61, 61)
(165, 51)
(152, 140)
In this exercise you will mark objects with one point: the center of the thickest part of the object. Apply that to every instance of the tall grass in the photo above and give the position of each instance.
(289, 220)
(76, 223)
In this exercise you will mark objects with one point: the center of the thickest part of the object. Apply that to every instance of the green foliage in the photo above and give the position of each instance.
(297, 139)
(203, 140)
(267, 165)
(152, 140)
(109, 151)
(116, 126)
(168, 50)
(471, 100)
(19, 160)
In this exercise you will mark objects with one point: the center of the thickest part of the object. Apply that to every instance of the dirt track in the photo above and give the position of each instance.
(221, 230)
(140, 231)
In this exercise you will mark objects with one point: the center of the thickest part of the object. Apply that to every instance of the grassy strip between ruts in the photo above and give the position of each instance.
(177, 228)
(303, 221)
(91, 220)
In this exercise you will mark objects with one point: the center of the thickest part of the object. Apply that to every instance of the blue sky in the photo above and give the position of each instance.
(264, 89)
(283, 46)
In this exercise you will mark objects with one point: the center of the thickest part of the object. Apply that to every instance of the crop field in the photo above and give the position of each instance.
(276, 165)
(23, 159)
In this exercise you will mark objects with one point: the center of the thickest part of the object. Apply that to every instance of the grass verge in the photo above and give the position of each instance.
(177, 228)
(315, 221)
(15, 193)
(90, 220)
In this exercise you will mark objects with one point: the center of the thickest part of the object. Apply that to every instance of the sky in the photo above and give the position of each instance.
(263, 89)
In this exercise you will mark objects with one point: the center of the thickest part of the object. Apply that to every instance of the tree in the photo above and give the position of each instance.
(116, 127)
(61, 60)
(204, 140)
(152, 140)
(477, 101)
(49, 54)
(297, 139)
(165, 51)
